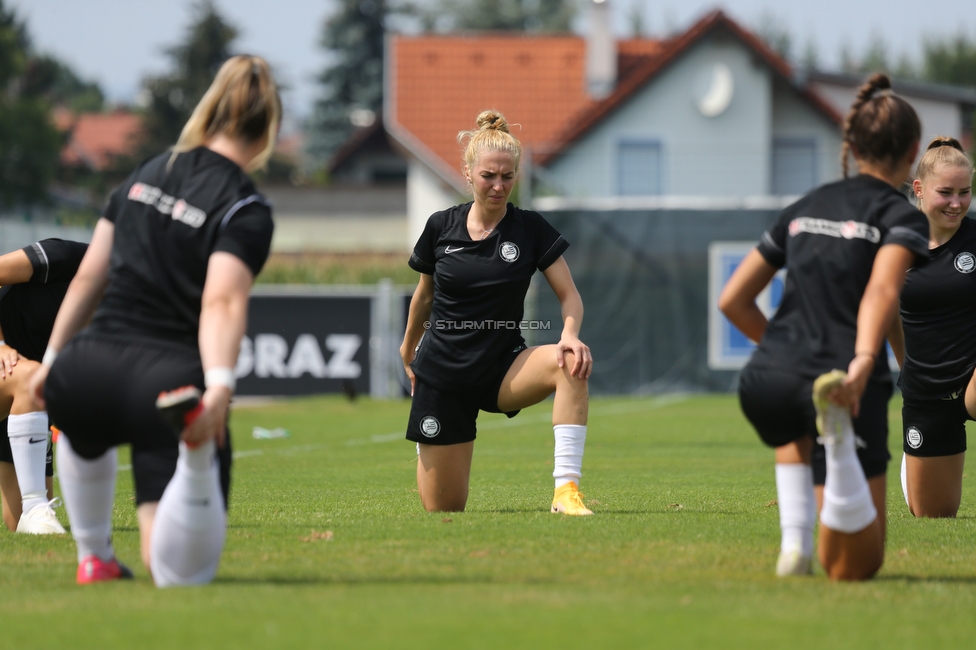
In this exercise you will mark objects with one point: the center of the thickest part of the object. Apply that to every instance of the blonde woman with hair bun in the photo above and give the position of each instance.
(165, 285)
(936, 343)
(463, 348)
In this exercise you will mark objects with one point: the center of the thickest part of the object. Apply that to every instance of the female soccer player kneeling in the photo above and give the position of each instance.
(175, 255)
(938, 315)
(846, 247)
(475, 262)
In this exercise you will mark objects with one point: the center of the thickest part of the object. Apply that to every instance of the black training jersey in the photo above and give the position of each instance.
(168, 221)
(28, 310)
(938, 313)
(827, 241)
(479, 290)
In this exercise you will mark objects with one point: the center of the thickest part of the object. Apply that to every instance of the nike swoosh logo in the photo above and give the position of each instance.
(453, 250)
(34, 442)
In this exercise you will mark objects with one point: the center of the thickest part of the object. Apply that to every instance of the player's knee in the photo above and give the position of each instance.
(935, 511)
(565, 373)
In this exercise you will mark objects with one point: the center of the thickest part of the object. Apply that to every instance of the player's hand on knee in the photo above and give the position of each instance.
(582, 358)
(8, 359)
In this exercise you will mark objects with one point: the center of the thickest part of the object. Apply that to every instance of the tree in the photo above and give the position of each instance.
(29, 143)
(950, 60)
(810, 60)
(172, 97)
(507, 15)
(775, 34)
(352, 87)
(47, 77)
(876, 57)
(637, 19)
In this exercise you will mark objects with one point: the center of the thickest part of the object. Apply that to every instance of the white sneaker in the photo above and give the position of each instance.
(794, 563)
(41, 520)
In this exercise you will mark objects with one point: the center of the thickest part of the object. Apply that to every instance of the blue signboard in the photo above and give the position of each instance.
(728, 348)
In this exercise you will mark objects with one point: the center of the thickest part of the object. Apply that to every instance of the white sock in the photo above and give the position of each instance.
(568, 455)
(190, 526)
(88, 489)
(797, 507)
(904, 477)
(28, 435)
(847, 503)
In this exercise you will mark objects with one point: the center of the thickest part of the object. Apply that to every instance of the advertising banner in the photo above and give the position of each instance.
(306, 344)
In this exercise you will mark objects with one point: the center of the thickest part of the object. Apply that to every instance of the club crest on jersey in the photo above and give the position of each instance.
(508, 251)
(965, 262)
(429, 426)
(913, 437)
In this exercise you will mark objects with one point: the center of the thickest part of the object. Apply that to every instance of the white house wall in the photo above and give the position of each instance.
(793, 117)
(726, 155)
(426, 194)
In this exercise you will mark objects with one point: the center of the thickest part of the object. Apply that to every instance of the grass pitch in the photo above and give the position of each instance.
(328, 547)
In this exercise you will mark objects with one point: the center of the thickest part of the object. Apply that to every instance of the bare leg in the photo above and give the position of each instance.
(796, 452)
(10, 495)
(855, 556)
(935, 485)
(146, 513)
(535, 376)
(443, 473)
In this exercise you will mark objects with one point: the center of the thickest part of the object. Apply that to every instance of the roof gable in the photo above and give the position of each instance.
(437, 85)
(651, 67)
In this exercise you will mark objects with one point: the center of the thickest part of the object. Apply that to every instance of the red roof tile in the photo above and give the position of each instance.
(439, 84)
(99, 137)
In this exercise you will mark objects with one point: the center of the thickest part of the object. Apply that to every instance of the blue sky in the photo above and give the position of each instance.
(118, 42)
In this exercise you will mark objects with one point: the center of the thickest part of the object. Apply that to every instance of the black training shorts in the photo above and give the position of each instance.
(448, 417)
(934, 427)
(779, 405)
(102, 393)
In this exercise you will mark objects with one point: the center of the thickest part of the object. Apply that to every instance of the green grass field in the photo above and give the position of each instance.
(329, 547)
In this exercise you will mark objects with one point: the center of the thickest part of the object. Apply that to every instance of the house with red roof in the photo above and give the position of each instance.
(98, 139)
(709, 114)
(710, 117)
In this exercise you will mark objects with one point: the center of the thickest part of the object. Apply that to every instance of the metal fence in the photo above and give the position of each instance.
(650, 295)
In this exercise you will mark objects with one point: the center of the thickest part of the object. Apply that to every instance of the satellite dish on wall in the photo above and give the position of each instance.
(714, 89)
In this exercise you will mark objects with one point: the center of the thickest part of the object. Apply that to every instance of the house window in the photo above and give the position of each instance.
(640, 168)
(794, 165)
